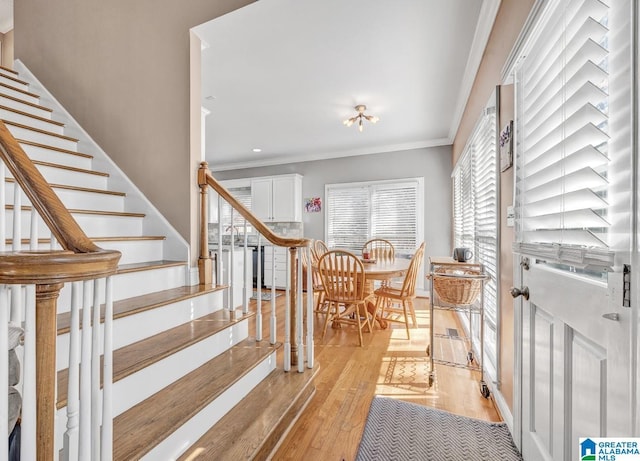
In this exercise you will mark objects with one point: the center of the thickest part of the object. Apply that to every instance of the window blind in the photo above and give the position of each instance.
(475, 213)
(385, 209)
(243, 195)
(563, 132)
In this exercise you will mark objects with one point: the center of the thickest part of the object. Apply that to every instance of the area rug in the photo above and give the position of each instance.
(265, 295)
(402, 431)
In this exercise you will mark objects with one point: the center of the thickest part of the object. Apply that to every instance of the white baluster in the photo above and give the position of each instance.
(219, 252)
(33, 229)
(230, 269)
(96, 400)
(248, 276)
(259, 293)
(85, 375)
(3, 204)
(16, 304)
(272, 324)
(4, 372)
(17, 222)
(107, 392)
(28, 424)
(300, 316)
(310, 315)
(71, 440)
(287, 319)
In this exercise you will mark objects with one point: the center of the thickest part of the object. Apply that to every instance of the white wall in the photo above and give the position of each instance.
(434, 164)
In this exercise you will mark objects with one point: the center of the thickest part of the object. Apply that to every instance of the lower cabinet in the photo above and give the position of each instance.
(280, 270)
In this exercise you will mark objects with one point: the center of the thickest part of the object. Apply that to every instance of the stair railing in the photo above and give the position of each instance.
(295, 332)
(33, 272)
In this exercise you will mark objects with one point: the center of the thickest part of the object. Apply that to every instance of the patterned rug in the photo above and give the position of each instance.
(402, 431)
(265, 295)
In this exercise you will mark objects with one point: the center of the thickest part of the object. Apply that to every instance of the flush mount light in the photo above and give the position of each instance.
(256, 150)
(360, 108)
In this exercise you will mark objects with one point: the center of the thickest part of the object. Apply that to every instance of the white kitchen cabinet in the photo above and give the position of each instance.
(277, 198)
(275, 262)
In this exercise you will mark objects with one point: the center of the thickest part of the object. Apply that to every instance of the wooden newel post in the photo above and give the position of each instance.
(205, 264)
(292, 306)
(46, 332)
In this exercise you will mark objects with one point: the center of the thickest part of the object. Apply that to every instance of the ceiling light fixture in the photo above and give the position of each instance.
(256, 150)
(358, 118)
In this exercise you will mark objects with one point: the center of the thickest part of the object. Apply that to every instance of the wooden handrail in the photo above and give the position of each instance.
(206, 178)
(49, 206)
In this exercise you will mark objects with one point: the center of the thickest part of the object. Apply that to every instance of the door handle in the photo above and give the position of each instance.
(524, 292)
(611, 316)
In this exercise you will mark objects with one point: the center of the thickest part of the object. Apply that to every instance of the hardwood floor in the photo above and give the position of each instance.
(389, 365)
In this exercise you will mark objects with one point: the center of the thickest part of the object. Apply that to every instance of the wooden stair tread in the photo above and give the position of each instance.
(148, 265)
(69, 168)
(9, 70)
(129, 306)
(15, 79)
(22, 101)
(127, 214)
(77, 188)
(38, 130)
(57, 149)
(143, 426)
(134, 357)
(122, 238)
(35, 117)
(252, 428)
(33, 95)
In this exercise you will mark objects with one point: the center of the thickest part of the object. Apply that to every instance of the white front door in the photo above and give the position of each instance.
(574, 216)
(575, 357)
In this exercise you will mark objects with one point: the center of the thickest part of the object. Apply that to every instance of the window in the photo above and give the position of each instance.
(243, 195)
(392, 210)
(565, 134)
(475, 214)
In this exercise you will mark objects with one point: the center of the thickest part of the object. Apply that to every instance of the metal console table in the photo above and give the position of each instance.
(458, 287)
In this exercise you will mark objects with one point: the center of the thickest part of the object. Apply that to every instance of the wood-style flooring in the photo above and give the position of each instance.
(389, 365)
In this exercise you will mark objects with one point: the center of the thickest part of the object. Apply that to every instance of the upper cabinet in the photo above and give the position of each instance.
(277, 198)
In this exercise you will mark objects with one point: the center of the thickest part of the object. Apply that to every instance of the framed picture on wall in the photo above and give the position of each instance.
(506, 147)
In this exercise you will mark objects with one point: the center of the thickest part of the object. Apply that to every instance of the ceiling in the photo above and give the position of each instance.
(281, 75)
(6, 16)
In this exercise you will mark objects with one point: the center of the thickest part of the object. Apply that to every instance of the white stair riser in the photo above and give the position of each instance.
(30, 121)
(141, 385)
(42, 138)
(133, 328)
(77, 199)
(189, 433)
(9, 81)
(18, 94)
(28, 108)
(64, 177)
(131, 284)
(135, 251)
(53, 156)
(92, 225)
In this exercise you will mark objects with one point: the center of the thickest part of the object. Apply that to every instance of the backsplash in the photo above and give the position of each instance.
(283, 229)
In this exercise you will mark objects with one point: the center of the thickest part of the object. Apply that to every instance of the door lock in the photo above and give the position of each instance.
(524, 292)
(524, 263)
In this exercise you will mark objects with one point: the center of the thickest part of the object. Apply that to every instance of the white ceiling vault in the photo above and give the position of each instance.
(281, 75)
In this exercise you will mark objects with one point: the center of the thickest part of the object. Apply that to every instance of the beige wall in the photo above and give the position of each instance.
(509, 21)
(7, 49)
(122, 69)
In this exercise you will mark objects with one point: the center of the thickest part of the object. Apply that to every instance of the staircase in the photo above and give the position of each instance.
(189, 379)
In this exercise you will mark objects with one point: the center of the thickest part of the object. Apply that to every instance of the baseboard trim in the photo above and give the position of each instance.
(502, 405)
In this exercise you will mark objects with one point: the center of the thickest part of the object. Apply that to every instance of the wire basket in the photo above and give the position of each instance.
(457, 286)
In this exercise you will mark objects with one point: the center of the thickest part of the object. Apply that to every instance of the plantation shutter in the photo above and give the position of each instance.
(378, 209)
(393, 215)
(563, 132)
(347, 217)
(243, 195)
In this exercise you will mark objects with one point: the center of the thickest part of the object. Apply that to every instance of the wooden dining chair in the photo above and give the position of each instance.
(317, 289)
(396, 304)
(380, 249)
(343, 278)
(319, 248)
